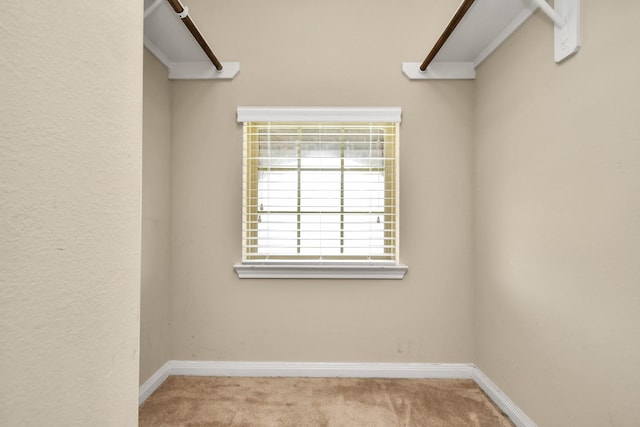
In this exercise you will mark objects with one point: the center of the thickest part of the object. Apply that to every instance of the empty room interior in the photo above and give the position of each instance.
(518, 214)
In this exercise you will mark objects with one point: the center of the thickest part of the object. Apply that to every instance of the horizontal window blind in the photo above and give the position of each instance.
(320, 191)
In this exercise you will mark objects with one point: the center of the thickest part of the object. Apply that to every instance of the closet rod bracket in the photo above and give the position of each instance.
(566, 16)
(184, 13)
(551, 13)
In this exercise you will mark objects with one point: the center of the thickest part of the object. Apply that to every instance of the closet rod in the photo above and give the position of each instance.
(183, 13)
(462, 10)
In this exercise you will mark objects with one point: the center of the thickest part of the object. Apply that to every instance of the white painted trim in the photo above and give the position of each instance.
(202, 71)
(319, 271)
(515, 414)
(440, 70)
(322, 114)
(339, 370)
(505, 34)
(310, 369)
(154, 382)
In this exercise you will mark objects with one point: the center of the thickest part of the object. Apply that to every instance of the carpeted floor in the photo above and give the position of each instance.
(244, 402)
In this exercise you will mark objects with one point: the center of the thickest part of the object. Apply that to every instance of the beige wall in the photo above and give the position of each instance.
(553, 169)
(156, 219)
(334, 53)
(558, 221)
(70, 172)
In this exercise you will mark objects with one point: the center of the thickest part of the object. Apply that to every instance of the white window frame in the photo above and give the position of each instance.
(360, 269)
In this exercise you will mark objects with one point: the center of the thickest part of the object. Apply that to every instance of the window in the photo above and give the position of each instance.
(320, 192)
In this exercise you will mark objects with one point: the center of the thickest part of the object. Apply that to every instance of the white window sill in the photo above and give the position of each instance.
(320, 271)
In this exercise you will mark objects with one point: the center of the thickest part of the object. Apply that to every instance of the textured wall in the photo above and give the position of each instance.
(558, 229)
(322, 53)
(70, 172)
(156, 226)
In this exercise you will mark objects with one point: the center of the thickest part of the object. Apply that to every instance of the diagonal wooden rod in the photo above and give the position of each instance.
(188, 22)
(462, 10)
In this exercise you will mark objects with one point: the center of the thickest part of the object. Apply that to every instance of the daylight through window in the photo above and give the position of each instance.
(320, 191)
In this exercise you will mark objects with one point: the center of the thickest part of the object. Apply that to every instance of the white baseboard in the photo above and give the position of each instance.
(309, 369)
(346, 370)
(515, 414)
(154, 382)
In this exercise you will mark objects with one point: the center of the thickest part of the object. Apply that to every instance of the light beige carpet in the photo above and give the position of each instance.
(244, 402)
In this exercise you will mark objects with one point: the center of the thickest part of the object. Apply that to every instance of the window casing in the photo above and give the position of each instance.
(320, 191)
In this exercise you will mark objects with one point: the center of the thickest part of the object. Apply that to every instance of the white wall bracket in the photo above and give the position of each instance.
(566, 37)
(551, 13)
